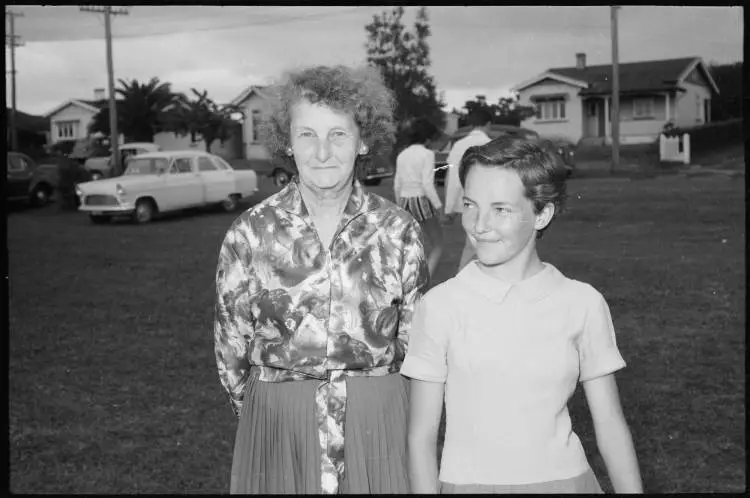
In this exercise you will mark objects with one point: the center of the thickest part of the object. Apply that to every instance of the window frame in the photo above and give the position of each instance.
(255, 122)
(650, 112)
(551, 110)
(62, 126)
(173, 170)
(210, 162)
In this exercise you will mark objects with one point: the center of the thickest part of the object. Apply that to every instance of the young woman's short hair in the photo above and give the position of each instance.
(540, 168)
(479, 117)
(421, 130)
(359, 92)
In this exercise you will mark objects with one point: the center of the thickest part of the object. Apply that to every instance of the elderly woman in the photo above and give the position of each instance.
(315, 288)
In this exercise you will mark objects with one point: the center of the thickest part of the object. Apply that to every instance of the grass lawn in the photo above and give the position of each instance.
(113, 385)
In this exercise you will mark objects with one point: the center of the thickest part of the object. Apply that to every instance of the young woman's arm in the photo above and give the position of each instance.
(425, 409)
(612, 434)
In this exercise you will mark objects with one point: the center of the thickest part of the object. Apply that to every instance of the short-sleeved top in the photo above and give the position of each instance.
(415, 174)
(511, 357)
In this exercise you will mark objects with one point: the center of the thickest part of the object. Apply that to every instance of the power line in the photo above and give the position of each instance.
(13, 41)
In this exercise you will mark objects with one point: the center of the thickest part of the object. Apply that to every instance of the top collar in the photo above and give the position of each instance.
(528, 290)
(290, 199)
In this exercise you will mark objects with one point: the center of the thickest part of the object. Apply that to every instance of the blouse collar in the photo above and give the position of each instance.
(528, 290)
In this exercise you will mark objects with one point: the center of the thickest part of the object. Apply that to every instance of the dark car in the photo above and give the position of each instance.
(562, 146)
(28, 182)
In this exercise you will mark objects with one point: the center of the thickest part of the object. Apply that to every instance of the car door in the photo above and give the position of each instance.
(218, 183)
(183, 185)
(18, 174)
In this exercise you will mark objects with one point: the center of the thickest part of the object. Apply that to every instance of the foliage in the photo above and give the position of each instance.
(507, 111)
(728, 103)
(140, 110)
(712, 136)
(403, 57)
(202, 118)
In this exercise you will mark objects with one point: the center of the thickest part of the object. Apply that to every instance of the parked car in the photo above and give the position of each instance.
(160, 182)
(27, 181)
(564, 148)
(102, 166)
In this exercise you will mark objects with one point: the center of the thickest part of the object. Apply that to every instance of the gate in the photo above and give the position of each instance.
(674, 149)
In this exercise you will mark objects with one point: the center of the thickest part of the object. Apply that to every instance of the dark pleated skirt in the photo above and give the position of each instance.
(586, 483)
(419, 207)
(277, 446)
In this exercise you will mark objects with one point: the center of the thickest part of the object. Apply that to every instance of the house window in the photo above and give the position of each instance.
(550, 110)
(256, 119)
(698, 109)
(67, 129)
(643, 108)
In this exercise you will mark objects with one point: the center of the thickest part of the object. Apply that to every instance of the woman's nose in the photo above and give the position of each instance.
(324, 150)
(481, 222)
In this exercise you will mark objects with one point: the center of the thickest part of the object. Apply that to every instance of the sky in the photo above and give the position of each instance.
(476, 50)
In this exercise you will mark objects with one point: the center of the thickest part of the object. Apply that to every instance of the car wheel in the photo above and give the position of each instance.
(229, 204)
(281, 178)
(95, 175)
(98, 219)
(144, 211)
(41, 195)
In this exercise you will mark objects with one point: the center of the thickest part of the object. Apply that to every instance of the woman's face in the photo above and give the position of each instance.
(498, 218)
(325, 144)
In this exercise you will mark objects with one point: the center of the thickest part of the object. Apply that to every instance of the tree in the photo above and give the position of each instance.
(202, 118)
(507, 111)
(728, 103)
(140, 110)
(403, 58)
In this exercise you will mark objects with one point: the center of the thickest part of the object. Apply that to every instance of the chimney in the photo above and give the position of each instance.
(99, 94)
(580, 60)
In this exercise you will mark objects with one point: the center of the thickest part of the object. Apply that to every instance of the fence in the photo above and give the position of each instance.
(674, 149)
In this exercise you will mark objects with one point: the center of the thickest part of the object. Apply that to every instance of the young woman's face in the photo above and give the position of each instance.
(325, 144)
(498, 218)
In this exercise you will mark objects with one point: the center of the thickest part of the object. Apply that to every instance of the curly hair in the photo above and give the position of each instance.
(359, 92)
(539, 167)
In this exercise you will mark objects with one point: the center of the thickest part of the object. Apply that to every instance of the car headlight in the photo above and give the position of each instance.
(120, 190)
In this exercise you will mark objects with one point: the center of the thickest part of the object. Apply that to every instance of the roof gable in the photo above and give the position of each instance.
(83, 104)
(247, 93)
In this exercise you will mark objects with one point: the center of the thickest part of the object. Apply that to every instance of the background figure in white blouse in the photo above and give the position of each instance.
(414, 187)
(480, 121)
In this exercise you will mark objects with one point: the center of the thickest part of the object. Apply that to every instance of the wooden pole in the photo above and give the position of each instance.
(615, 115)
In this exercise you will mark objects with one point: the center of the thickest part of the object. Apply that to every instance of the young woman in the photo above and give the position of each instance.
(414, 187)
(506, 341)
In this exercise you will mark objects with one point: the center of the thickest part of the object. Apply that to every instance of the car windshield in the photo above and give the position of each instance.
(145, 166)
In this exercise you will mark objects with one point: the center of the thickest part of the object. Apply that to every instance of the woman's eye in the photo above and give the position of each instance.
(503, 210)
(305, 134)
(339, 134)
(467, 205)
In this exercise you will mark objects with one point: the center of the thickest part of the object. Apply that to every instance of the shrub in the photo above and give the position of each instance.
(712, 136)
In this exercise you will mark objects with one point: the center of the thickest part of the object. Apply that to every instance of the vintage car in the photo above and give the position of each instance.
(563, 149)
(27, 181)
(101, 166)
(159, 182)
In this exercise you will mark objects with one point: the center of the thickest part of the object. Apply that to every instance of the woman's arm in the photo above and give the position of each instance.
(425, 409)
(428, 180)
(414, 280)
(233, 323)
(612, 434)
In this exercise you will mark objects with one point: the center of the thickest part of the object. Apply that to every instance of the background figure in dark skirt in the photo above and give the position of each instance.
(414, 187)
(315, 288)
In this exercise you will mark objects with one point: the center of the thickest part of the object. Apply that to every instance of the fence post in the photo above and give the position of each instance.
(661, 146)
(686, 148)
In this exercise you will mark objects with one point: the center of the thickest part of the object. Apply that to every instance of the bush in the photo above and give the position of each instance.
(712, 136)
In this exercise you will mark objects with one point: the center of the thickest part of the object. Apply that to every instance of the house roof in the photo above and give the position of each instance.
(90, 105)
(247, 93)
(655, 75)
(29, 122)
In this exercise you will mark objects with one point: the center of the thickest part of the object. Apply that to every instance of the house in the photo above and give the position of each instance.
(70, 120)
(575, 102)
(252, 101)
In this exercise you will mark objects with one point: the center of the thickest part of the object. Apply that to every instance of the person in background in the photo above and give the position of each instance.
(511, 337)
(315, 288)
(480, 120)
(414, 187)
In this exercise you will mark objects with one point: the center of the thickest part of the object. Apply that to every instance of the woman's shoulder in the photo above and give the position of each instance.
(582, 293)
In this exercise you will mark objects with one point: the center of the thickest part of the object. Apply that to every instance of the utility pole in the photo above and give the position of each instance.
(615, 117)
(11, 39)
(108, 12)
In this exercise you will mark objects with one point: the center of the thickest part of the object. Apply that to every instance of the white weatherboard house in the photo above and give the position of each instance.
(575, 102)
(253, 104)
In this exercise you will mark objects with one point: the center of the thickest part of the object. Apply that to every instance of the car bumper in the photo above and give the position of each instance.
(123, 207)
(376, 176)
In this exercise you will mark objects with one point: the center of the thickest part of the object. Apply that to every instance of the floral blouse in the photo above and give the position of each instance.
(298, 310)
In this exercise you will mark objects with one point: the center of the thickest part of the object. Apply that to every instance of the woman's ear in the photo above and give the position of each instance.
(544, 216)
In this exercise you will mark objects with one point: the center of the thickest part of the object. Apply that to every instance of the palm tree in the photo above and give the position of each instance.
(201, 117)
(140, 110)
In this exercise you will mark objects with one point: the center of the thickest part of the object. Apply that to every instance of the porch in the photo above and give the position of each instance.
(642, 117)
